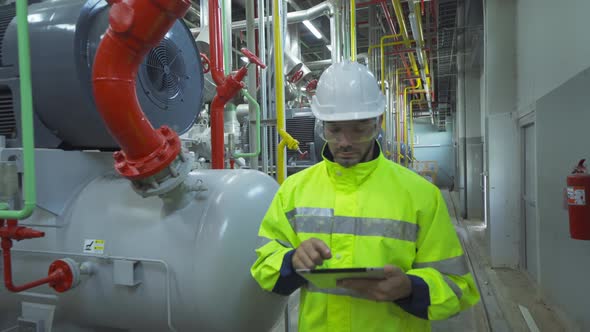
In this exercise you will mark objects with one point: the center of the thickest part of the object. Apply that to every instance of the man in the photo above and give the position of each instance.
(358, 209)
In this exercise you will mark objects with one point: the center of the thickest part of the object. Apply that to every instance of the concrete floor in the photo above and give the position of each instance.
(503, 291)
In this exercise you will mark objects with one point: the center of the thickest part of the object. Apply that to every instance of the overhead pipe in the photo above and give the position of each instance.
(135, 28)
(321, 9)
(383, 58)
(399, 14)
(393, 31)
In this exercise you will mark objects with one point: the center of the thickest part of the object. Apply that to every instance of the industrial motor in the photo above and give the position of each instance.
(64, 37)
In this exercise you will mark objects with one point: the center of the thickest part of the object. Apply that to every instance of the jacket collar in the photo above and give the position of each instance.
(354, 175)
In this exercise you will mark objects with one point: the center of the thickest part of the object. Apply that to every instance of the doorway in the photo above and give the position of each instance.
(530, 232)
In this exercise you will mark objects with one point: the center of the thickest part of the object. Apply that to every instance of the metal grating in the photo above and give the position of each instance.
(445, 58)
(7, 13)
(7, 118)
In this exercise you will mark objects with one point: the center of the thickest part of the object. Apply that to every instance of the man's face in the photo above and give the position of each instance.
(351, 142)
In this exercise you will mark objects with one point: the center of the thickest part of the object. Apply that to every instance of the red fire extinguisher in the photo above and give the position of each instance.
(578, 185)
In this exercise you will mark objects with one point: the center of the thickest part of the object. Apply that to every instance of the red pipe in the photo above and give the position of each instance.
(405, 51)
(57, 276)
(390, 22)
(368, 3)
(135, 27)
(227, 87)
(216, 42)
(218, 104)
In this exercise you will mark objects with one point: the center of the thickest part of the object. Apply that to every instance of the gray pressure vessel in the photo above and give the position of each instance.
(156, 265)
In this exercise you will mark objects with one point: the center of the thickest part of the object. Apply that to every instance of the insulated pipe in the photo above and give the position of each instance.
(263, 90)
(135, 27)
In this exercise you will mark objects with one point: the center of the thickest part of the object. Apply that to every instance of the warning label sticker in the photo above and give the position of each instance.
(576, 196)
(93, 246)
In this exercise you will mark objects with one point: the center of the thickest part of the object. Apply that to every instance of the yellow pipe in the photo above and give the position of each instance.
(280, 84)
(352, 30)
(288, 141)
(397, 8)
(421, 42)
(383, 59)
(417, 86)
(398, 114)
(372, 47)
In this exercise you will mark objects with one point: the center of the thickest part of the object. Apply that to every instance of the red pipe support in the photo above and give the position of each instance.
(135, 27)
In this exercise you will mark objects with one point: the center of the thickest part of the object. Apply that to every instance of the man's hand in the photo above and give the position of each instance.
(396, 286)
(311, 253)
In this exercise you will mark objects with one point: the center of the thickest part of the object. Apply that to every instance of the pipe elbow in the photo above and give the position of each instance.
(135, 27)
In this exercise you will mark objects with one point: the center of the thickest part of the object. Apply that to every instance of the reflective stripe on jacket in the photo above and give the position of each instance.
(370, 215)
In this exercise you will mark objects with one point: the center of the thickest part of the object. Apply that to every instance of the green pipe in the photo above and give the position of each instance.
(252, 154)
(26, 99)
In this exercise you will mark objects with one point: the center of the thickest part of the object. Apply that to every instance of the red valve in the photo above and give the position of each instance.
(253, 58)
(303, 155)
(205, 63)
(296, 77)
(311, 86)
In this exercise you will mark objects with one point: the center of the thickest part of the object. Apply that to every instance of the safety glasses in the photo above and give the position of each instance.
(358, 131)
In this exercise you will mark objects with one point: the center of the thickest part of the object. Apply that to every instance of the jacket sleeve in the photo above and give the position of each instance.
(441, 264)
(273, 269)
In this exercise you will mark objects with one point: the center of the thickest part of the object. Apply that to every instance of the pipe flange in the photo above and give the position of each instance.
(71, 274)
(168, 179)
(136, 169)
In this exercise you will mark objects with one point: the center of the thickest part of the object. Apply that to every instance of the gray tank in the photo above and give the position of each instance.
(64, 37)
(161, 266)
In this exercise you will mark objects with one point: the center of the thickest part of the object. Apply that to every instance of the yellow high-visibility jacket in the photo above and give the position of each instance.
(372, 214)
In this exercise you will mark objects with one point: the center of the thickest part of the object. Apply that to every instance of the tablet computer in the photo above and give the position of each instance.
(327, 278)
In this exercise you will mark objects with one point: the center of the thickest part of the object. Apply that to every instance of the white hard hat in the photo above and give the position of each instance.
(347, 91)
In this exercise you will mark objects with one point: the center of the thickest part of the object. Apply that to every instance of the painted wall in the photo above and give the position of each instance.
(551, 47)
(436, 146)
(499, 93)
(562, 119)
